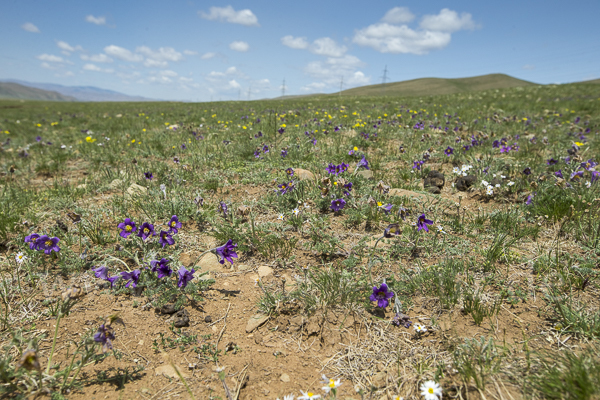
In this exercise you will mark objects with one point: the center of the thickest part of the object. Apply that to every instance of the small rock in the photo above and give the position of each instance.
(182, 318)
(367, 174)
(296, 323)
(169, 371)
(255, 321)
(463, 183)
(284, 378)
(434, 179)
(136, 190)
(379, 380)
(168, 309)
(264, 271)
(115, 184)
(187, 259)
(208, 319)
(210, 262)
(303, 174)
(434, 190)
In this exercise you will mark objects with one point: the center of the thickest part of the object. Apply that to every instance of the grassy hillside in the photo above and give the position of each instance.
(437, 86)
(9, 90)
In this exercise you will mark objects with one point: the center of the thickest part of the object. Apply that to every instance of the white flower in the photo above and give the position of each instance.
(306, 206)
(485, 183)
(510, 183)
(420, 328)
(330, 384)
(398, 398)
(489, 191)
(280, 217)
(497, 185)
(62, 146)
(256, 281)
(588, 184)
(456, 171)
(502, 176)
(441, 229)
(288, 397)
(431, 390)
(309, 396)
(296, 211)
(20, 257)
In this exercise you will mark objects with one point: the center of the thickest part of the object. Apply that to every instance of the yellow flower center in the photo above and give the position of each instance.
(33, 239)
(430, 390)
(309, 394)
(146, 230)
(355, 148)
(331, 383)
(173, 223)
(20, 256)
(379, 203)
(48, 242)
(128, 228)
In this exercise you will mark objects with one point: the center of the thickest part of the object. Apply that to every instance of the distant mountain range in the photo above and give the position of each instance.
(13, 88)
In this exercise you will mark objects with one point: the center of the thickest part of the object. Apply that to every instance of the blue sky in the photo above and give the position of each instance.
(203, 51)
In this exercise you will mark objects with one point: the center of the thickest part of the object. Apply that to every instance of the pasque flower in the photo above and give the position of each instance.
(32, 240)
(381, 295)
(47, 244)
(227, 251)
(132, 277)
(102, 273)
(165, 238)
(392, 229)
(422, 223)
(184, 276)
(146, 230)
(161, 267)
(105, 336)
(127, 228)
(337, 205)
(174, 225)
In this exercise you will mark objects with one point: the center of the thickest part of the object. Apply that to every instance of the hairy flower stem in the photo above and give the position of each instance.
(58, 316)
(371, 260)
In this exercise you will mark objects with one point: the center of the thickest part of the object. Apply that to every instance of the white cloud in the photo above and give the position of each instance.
(231, 70)
(327, 47)
(331, 71)
(207, 56)
(398, 15)
(67, 48)
(47, 66)
(529, 66)
(448, 21)
(294, 43)
(387, 38)
(160, 79)
(150, 63)
(228, 14)
(29, 27)
(234, 85)
(162, 54)
(96, 20)
(239, 46)
(185, 79)
(53, 59)
(190, 53)
(95, 68)
(264, 82)
(122, 54)
(314, 87)
(215, 74)
(98, 58)
(169, 73)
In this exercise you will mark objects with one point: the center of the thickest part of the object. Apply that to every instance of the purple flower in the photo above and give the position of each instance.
(148, 175)
(496, 144)
(227, 251)
(184, 276)
(174, 225)
(559, 174)
(589, 164)
(127, 228)
(338, 205)
(286, 187)
(529, 199)
(290, 172)
(402, 319)
(284, 153)
(332, 169)
(102, 273)
(381, 295)
(223, 209)
(449, 151)
(146, 230)
(32, 239)
(165, 238)
(387, 208)
(551, 161)
(265, 149)
(132, 277)
(527, 171)
(343, 167)
(47, 244)
(422, 223)
(161, 267)
(575, 176)
(38, 139)
(595, 176)
(105, 336)
(392, 229)
(257, 153)
(281, 130)
(363, 163)
(417, 164)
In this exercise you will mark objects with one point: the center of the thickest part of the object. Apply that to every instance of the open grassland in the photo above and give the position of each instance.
(402, 247)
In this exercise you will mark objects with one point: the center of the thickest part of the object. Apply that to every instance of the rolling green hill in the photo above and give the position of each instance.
(9, 90)
(437, 86)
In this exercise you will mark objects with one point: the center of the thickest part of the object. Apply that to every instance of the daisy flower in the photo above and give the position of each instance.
(309, 396)
(441, 229)
(20, 257)
(431, 390)
(330, 384)
(489, 191)
(296, 211)
(288, 397)
(280, 217)
(420, 328)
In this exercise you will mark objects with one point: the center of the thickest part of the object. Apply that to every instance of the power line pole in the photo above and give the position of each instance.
(283, 88)
(341, 85)
(384, 80)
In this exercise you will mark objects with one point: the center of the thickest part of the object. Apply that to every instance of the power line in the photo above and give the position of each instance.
(384, 79)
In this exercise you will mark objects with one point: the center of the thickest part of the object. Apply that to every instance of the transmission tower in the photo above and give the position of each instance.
(384, 80)
(283, 88)
(341, 85)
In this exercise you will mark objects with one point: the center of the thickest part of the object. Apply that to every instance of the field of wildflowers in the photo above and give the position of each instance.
(330, 247)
